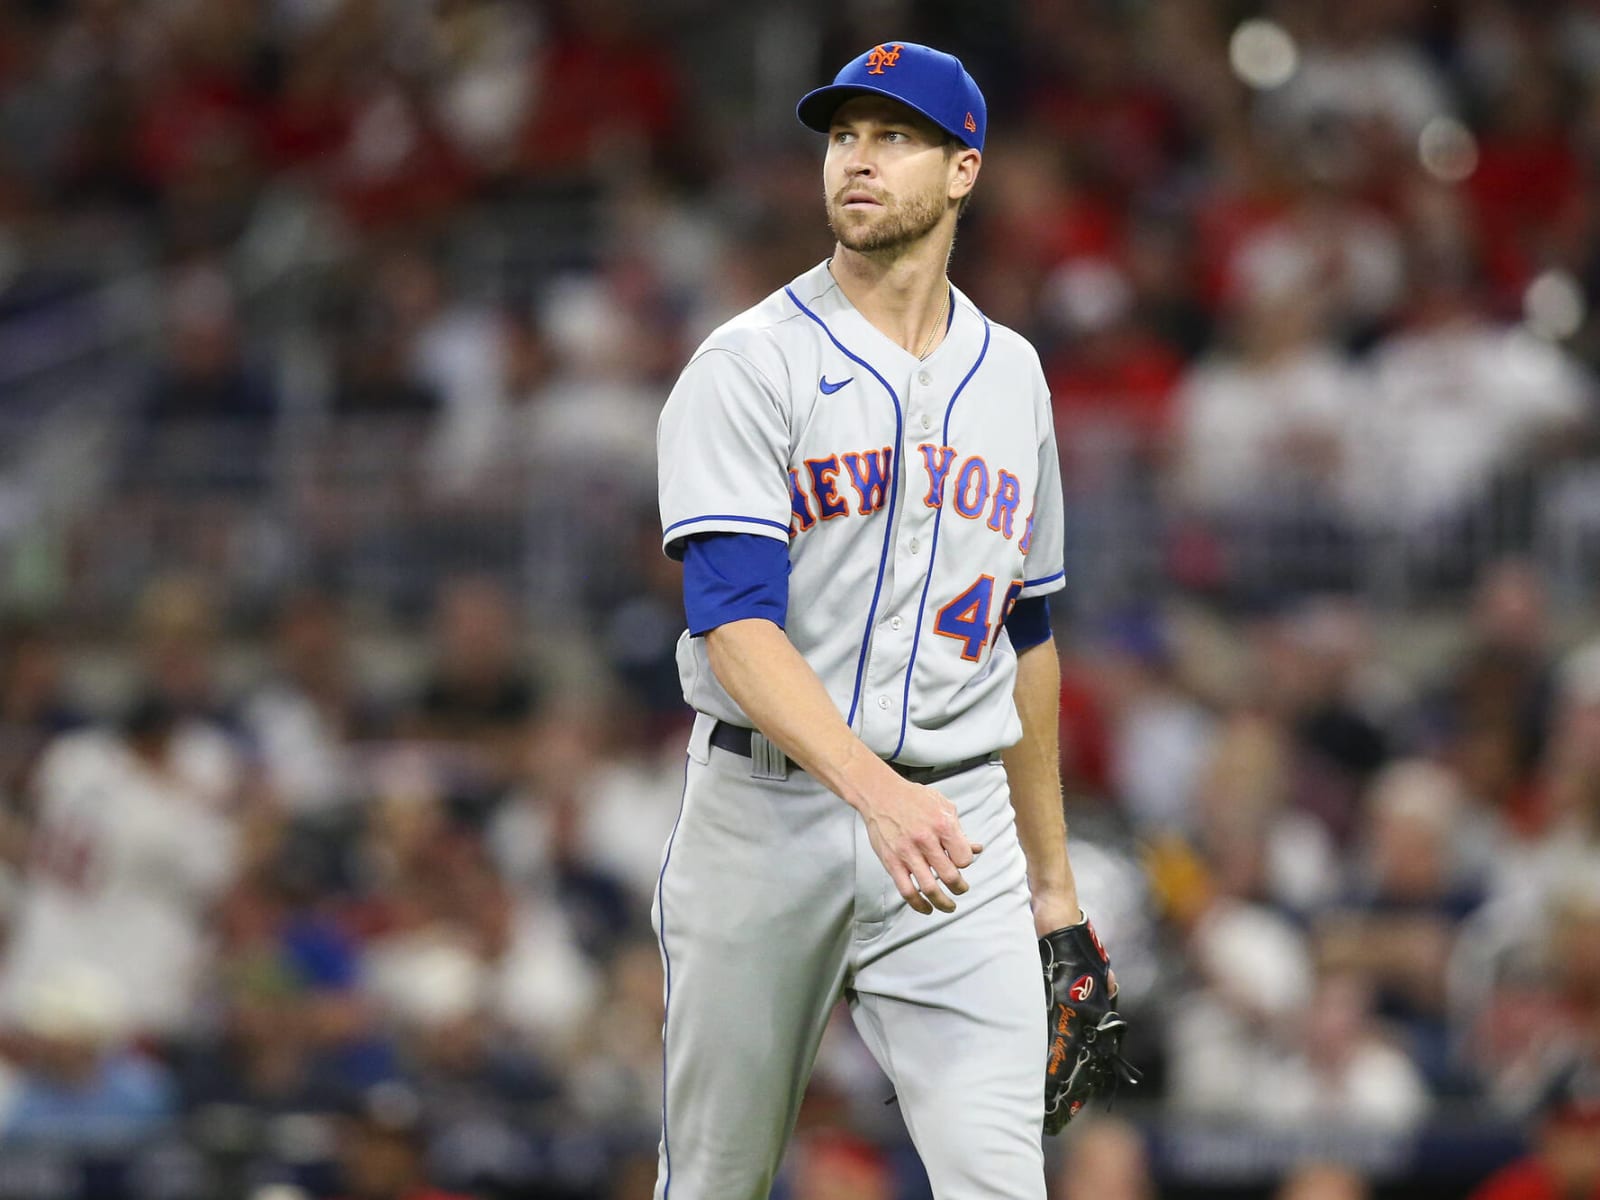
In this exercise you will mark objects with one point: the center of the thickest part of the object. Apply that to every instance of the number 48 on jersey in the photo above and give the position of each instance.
(966, 618)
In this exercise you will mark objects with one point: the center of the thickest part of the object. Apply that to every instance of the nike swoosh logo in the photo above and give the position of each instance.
(829, 389)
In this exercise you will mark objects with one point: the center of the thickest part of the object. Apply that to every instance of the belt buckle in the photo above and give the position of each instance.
(766, 760)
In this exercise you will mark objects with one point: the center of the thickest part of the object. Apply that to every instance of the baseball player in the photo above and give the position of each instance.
(860, 477)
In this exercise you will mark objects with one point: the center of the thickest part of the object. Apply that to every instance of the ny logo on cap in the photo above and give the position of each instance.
(880, 58)
(972, 126)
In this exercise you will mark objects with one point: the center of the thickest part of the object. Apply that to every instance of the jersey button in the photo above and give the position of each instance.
(924, 379)
(895, 623)
(915, 545)
(927, 422)
(883, 702)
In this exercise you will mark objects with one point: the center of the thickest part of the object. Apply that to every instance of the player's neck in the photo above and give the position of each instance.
(902, 297)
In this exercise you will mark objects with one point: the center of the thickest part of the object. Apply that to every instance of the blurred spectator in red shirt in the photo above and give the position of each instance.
(1111, 382)
(1249, 184)
(840, 1166)
(396, 168)
(1037, 213)
(1527, 189)
(1085, 729)
(310, 113)
(207, 94)
(609, 94)
(1089, 91)
(1565, 1163)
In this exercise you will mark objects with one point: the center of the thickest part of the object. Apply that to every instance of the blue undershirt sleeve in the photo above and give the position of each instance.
(733, 576)
(1029, 622)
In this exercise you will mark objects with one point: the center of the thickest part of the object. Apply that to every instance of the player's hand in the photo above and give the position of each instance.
(917, 836)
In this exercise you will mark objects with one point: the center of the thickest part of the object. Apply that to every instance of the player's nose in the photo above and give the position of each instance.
(858, 160)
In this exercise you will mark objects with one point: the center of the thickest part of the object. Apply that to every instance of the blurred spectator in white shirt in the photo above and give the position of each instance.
(305, 716)
(135, 834)
(1356, 67)
(1161, 737)
(1456, 399)
(1273, 416)
(1416, 876)
(536, 981)
(1251, 814)
(617, 1071)
(1250, 978)
(589, 797)
(453, 347)
(1331, 243)
(1341, 1071)
(1563, 846)
(1229, 1034)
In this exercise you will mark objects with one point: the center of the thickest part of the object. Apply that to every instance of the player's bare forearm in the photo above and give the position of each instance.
(763, 672)
(914, 829)
(1033, 771)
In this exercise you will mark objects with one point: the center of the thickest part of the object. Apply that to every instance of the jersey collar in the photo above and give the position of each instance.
(821, 292)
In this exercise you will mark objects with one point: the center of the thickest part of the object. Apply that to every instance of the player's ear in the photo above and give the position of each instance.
(964, 165)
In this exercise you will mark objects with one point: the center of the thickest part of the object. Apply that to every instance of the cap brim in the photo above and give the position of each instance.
(816, 109)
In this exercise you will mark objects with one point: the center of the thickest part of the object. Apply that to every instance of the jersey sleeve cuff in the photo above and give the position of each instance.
(675, 534)
(1043, 585)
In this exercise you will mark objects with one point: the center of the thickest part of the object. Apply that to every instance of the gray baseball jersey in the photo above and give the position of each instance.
(919, 499)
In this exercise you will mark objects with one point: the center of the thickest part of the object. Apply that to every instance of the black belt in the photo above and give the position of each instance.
(736, 740)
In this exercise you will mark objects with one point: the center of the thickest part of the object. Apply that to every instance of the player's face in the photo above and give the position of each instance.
(887, 176)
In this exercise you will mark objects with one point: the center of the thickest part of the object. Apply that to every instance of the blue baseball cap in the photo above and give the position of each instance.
(930, 81)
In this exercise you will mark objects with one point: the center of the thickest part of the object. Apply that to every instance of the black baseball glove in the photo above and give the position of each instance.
(1085, 1031)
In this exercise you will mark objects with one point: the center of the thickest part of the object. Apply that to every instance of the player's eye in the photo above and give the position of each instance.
(841, 136)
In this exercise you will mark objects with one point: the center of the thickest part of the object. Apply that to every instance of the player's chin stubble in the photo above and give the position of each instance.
(898, 224)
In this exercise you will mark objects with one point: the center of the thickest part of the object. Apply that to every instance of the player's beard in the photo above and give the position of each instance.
(899, 224)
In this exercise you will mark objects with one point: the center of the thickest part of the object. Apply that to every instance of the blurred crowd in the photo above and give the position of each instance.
(322, 921)
(339, 724)
(395, 287)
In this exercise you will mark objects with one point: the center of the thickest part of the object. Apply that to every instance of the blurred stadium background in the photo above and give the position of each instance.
(339, 731)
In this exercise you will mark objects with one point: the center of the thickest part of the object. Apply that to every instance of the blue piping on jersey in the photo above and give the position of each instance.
(933, 550)
(725, 517)
(1028, 583)
(894, 495)
(666, 961)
